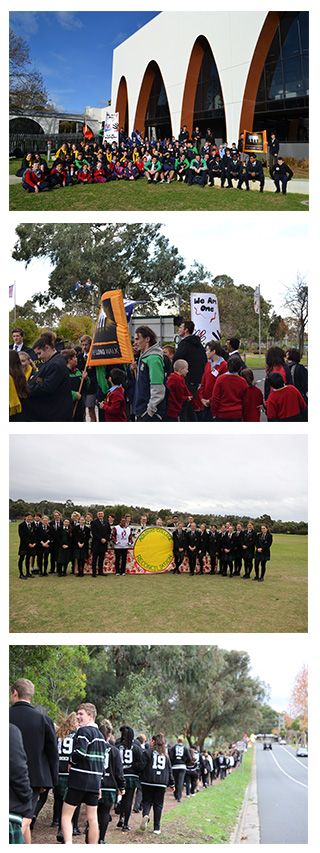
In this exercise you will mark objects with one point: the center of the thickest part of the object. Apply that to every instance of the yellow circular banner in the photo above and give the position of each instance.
(153, 549)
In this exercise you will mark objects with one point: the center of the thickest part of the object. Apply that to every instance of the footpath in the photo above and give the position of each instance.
(247, 829)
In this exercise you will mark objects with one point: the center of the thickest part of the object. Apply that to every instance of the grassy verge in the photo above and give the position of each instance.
(141, 196)
(139, 603)
(209, 818)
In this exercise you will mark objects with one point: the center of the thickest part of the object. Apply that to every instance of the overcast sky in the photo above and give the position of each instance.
(247, 248)
(251, 474)
(275, 660)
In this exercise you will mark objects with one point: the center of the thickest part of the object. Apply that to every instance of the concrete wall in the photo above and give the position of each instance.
(169, 39)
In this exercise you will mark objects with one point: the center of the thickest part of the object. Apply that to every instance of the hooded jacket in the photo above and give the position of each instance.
(150, 389)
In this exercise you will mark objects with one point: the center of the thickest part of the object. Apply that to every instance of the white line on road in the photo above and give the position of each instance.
(287, 774)
(296, 759)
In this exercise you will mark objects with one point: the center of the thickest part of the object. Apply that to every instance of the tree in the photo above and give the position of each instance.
(299, 698)
(296, 300)
(72, 328)
(27, 89)
(57, 673)
(135, 258)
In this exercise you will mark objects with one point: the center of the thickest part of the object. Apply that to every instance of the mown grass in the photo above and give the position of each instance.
(141, 603)
(142, 196)
(210, 817)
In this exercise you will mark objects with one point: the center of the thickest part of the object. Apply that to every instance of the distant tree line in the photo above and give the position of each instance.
(17, 510)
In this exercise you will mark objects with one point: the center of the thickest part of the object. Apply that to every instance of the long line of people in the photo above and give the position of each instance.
(52, 382)
(194, 161)
(85, 764)
(73, 540)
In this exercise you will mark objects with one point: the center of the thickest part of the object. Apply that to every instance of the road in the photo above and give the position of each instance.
(282, 781)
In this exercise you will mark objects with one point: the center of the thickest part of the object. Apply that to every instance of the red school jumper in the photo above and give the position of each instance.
(253, 401)
(283, 403)
(178, 394)
(229, 397)
(115, 405)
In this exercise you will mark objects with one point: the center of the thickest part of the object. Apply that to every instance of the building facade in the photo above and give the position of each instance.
(230, 71)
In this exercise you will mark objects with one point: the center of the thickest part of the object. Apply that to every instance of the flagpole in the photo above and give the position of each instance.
(92, 310)
(14, 302)
(259, 328)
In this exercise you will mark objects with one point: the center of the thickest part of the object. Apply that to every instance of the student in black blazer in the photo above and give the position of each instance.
(214, 547)
(248, 549)
(238, 553)
(192, 539)
(263, 545)
(39, 741)
(80, 544)
(229, 547)
(45, 537)
(55, 526)
(179, 546)
(203, 545)
(28, 544)
(100, 530)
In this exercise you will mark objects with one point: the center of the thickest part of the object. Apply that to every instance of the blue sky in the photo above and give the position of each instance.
(73, 51)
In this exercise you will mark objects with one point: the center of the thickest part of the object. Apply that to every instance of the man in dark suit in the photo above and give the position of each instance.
(232, 347)
(192, 541)
(39, 741)
(18, 343)
(101, 531)
(54, 526)
(253, 172)
(179, 546)
(50, 397)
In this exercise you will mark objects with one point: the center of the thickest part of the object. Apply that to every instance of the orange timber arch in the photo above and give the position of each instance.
(144, 94)
(255, 70)
(122, 101)
(190, 87)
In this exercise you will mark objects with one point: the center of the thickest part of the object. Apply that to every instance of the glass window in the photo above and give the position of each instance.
(274, 82)
(293, 83)
(289, 35)
(304, 31)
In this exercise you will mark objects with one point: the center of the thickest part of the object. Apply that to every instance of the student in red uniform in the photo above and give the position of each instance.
(215, 366)
(114, 405)
(254, 401)
(59, 176)
(229, 393)
(34, 179)
(285, 403)
(84, 174)
(178, 391)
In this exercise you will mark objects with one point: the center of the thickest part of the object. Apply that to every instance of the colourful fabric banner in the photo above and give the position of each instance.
(111, 342)
(205, 316)
(153, 550)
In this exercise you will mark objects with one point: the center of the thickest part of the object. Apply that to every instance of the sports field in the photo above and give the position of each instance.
(165, 602)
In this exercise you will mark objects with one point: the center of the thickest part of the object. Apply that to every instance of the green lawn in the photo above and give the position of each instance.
(210, 817)
(141, 196)
(141, 603)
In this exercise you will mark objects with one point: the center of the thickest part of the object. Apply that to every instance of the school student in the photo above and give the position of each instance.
(263, 545)
(28, 544)
(64, 549)
(85, 775)
(254, 398)
(229, 393)
(179, 547)
(178, 391)
(114, 406)
(45, 538)
(131, 756)
(155, 778)
(80, 541)
(122, 539)
(285, 403)
(112, 782)
(248, 549)
(179, 756)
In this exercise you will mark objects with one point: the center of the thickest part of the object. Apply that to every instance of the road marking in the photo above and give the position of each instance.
(296, 759)
(287, 774)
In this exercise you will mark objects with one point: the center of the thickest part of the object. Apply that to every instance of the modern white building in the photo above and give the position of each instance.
(230, 71)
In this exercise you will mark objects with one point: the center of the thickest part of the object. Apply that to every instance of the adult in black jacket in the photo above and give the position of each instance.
(50, 389)
(248, 548)
(20, 791)
(238, 553)
(203, 545)
(299, 373)
(214, 547)
(263, 545)
(155, 778)
(254, 172)
(222, 535)
(64, 547)
(112, 781)
(192, 541)
(281, 174)
(132, 757)
(100, 531)
(179, 756)
(39, 740)
(232, 345)
(179, 546)
(191, 350)
(28, 544)
(274, 150)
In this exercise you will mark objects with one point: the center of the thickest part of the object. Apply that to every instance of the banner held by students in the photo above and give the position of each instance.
(111, 128)
(205, 316)
(153, 550)
(111, 342)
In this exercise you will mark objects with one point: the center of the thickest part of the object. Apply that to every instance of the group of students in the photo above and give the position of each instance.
(194, 160)
(83, 763)
(73, 540)
(190, 382)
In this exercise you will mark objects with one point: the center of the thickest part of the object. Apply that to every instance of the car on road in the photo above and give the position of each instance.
(302, 752)
(282, 741)
(267, 744)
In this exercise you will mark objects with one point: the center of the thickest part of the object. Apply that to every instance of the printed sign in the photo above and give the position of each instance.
(111, 128)
(255, 141)
(205, 316)
(153, 549)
